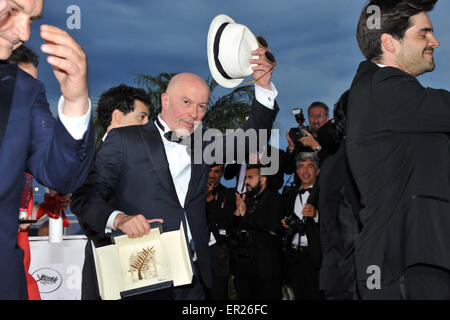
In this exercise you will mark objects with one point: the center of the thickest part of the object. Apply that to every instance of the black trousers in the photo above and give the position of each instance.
(220, 261)
(219, 289)
(89, 287)
(303, 276)
(193, 291)
(253, 285)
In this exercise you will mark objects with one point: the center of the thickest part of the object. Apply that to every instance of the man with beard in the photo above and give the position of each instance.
(399, 154)
(257, 252)
(219, 203)
(302, 239)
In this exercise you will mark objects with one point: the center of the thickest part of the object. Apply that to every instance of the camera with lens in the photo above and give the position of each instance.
(241, 238)
(297, 133)
(242, 244)
(295, 225)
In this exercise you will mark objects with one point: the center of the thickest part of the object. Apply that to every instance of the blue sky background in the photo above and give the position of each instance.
(313, 41)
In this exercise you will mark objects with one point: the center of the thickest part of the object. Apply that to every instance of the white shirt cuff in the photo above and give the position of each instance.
(110, 223)
(266, 97)
(316, 218)
(76, 126)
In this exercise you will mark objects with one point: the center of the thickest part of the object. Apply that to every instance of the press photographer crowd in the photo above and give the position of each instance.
(357, 208)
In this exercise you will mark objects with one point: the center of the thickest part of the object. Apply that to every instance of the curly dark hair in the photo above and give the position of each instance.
(122, 98)
(395, 20)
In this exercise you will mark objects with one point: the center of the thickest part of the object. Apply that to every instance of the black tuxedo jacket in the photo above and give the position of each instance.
(339, 223)
(312, 229)
(398, 151)
(133, 165)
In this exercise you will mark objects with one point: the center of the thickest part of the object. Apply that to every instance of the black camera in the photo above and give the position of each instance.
(295, 225)
(242, 244)
(298, 133)
(241, 238)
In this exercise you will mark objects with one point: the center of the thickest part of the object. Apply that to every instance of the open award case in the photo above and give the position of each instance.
(146, 267)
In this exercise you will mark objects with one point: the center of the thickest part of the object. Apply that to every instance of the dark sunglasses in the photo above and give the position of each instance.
(262, 43)
(269, 58)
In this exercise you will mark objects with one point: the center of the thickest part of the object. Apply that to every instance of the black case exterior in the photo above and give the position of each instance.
(159, 291)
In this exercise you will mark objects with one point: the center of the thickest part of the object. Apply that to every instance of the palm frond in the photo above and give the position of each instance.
(140, 264)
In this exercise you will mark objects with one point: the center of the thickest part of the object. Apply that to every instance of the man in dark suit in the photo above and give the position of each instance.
(57, 152)
(117, 107)
(398, 151)
(339, 215)
(256, 250)
(219, 203)
(302, 238)
(154, 175)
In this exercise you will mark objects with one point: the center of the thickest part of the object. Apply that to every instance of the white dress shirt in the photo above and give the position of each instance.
(300, 202)
(76, 126)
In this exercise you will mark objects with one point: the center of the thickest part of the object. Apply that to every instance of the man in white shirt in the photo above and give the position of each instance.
(57, 152)
(154, 176)
(302, 241)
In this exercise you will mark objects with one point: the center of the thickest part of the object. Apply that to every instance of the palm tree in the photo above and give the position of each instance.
(155, 86)
(226, 112)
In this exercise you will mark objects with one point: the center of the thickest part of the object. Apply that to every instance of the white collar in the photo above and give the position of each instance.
(165, 126)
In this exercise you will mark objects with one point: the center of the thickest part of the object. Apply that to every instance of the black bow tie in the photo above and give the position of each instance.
(172, 137)
(302, 191)
(169, 135)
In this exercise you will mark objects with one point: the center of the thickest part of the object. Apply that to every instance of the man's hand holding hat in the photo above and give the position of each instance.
(262, 66)
(234, 53)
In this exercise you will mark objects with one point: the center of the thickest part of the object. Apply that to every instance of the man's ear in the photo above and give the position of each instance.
(388, 43)
(116, 118)
(164, 101)
(317, 172)
(264, 180)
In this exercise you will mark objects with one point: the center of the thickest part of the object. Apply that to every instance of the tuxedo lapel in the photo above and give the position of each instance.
(196, 172)
(157, 155)
(194, 183)
(8, 73)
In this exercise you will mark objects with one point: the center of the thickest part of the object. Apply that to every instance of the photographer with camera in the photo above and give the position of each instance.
(301, 240)
(313, 138)
(256, 250)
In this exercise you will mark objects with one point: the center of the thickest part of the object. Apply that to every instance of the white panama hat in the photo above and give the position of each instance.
(229, 50)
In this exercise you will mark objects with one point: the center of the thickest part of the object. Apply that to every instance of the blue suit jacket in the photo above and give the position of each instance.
(31, 140)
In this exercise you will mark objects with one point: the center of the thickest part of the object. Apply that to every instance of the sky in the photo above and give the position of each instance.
(313, 42)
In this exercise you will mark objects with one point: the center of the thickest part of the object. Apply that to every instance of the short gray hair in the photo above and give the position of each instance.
(305, 156)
